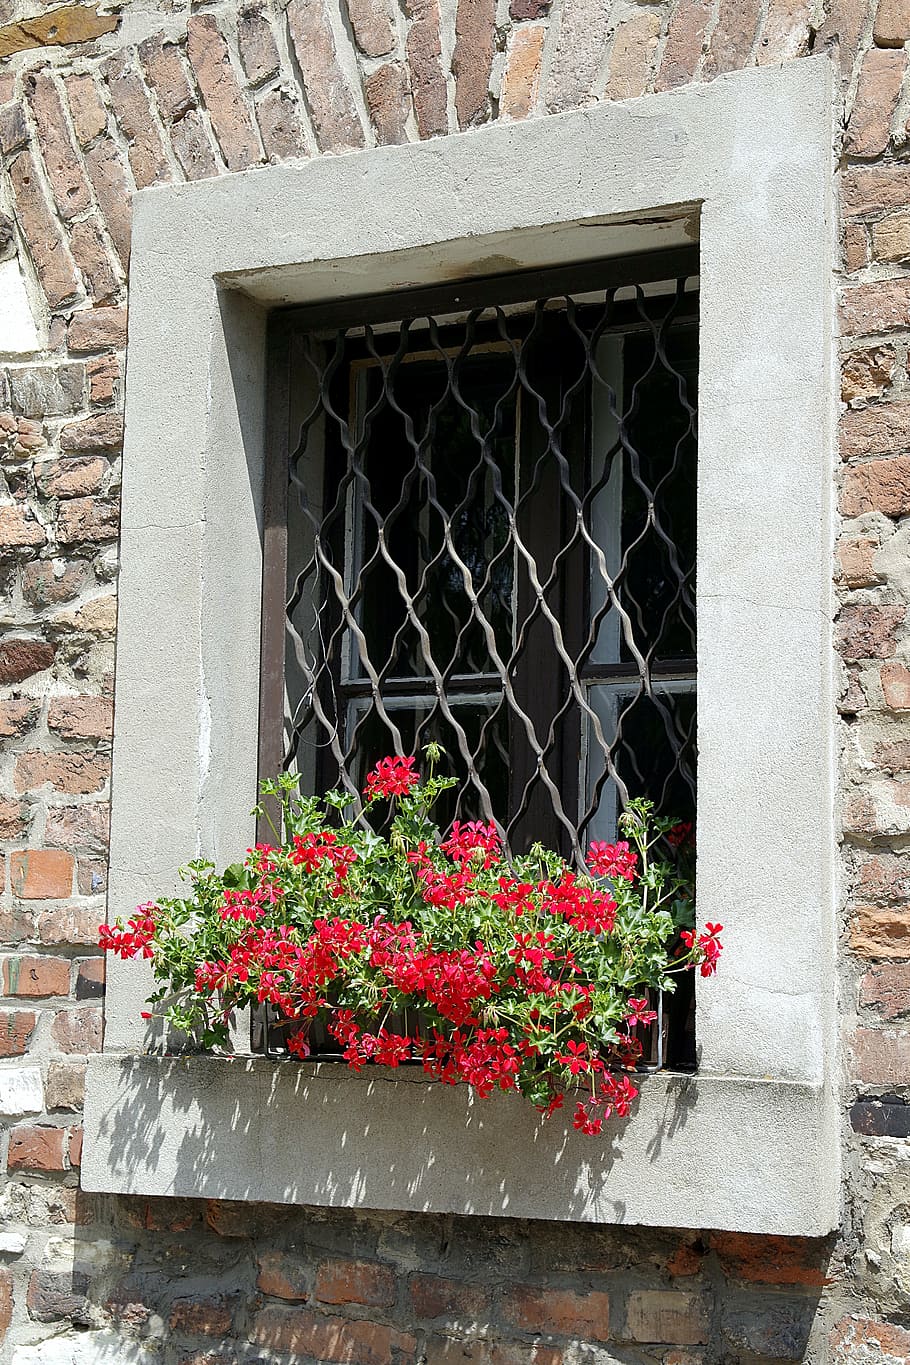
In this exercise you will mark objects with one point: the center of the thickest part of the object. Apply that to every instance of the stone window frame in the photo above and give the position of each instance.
(746, 164)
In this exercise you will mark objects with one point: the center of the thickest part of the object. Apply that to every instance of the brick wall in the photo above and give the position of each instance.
(93, 106)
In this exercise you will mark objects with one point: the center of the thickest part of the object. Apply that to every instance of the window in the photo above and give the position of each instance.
(751, 1141)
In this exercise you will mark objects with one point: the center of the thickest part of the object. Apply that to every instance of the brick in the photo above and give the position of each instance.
(892, 23)
(107, 173)
(472, 60)
(877, 430)
(879, 933)
(97, 329)
(86, 109)
(891, 238)
(433, 1296)
(449, 1351)
(160, 1215)
(133, 111)
(879, 809)
(14, 819)
(36, 1149)
(21, 1091)
(209, 57)
(283, 1276)
(72, 478)
(676, 1316)
(856, 247)
(581, 41)
(278, 116)
(41, 873)
(893, 757)
(867, 373)
(685, 43)
(867, 632)
(46, 582)
(843, 27)
(875, 189)
(191, 145)
(881, 1056)
(85, 828)
(83, 520)
(785, 33)
(300, 1331)
(776, 1328)
(35, 976)
(53, 262)
(56, 1296)
(92, 876)
(103, 431)
(867, 309)
(424, 53)
(878, 486)
(69, 924)
(167, 77)
(237, 1219)
(75, 774)
(47, 390)
(19, 530)
(16, 1029)
(65, 1085)
(103, 378)
(98, 617)
(567, 1312)
(881, 76)
(78, 1030)
(857, 562)
(208, 1316)
(886, 990)
(521, 80)
(371, 21)
(17, 717)
(877, 1118)
(343, 1281)
(632, 55)
(64, 169)
(529, 9)
(733, 37)
(6, 1301)
(330, 101)
(256, 43)
(81, 717)
(90, 978)
(93, 259)
(14, 131)
(771, 1260)
(895, 680)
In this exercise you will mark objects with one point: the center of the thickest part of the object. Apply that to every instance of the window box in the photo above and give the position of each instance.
(746, 164)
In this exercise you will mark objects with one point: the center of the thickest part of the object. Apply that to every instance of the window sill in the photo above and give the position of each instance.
(700, 1151)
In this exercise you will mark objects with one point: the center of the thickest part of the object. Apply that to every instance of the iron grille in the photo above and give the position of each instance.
(482, 501)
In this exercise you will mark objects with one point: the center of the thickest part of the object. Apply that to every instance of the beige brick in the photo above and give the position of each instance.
(866, 373)
(280, 125)
(856, 562)
(86, 108)
(895, 680)
(632, 56)
(881, 1056)
(107, 173)
(676, 1316)
(891, 237)
(74, 774)
(785, 33)
(856, 247)
(878, 430)
(81, 717)
(580, 46)
(91, 255)
(521, 81)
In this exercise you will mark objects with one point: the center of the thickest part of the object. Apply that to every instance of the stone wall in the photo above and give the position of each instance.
(94, 105)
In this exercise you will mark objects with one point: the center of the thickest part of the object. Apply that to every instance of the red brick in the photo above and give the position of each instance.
(843, 28)
(75, 774)
(19, 530)
(35, 976)
(104, 431)
(895, 680)
(234, 1218)
(857, 562)
(41, 873)
(632, 54)
(190, 140)
(36, 1149)
(374, 31)
(867, 373)
(457, 1351)
(433, 1296)
(107, 173)
(686, 1260)
(93, 259)
(685, 42)
(883, 878)
(892, 23)
(166, 76)
(43, 586)
(88, 113)
(74, 1151)
(674, 1316)
(856, 247)
(78, 1030)
(97, 329)
(14, 819)
(886, 990)
(873, 308)
(92, 875)
(300, 1331)
(881, 1056)
(103, 379)
(330, 101)
(64, 169)
(874, 189)
(472, 60)
(770, 1260)
(210, 59)
(70, 924)
(53, 262)
(582, 1314)
(521, 80)
(82, 717)
(17, 717)
(283, 1276)
(75, 477)
(857, 1340)
(867, 632)
(6, 1300)
(529, 9)
(893, 757)
(877, 430)
(732, 37)
(16, 1029)
(82, 521)
(343, 1281)
(204, 1316)
(881, 933)
(256, 43)
(424, 53)
(878, 486)
(85, 828)
(65, 1085)
(14, 130)
(280, 124)
(133, 110)
(880, 80)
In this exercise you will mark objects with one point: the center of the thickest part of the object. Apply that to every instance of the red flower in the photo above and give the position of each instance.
(639, 1013)
(391, 777)
(613, 860)
(473, 842)
(680, 834)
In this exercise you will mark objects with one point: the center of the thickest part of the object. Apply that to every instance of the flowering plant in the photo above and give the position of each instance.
(524, 973)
